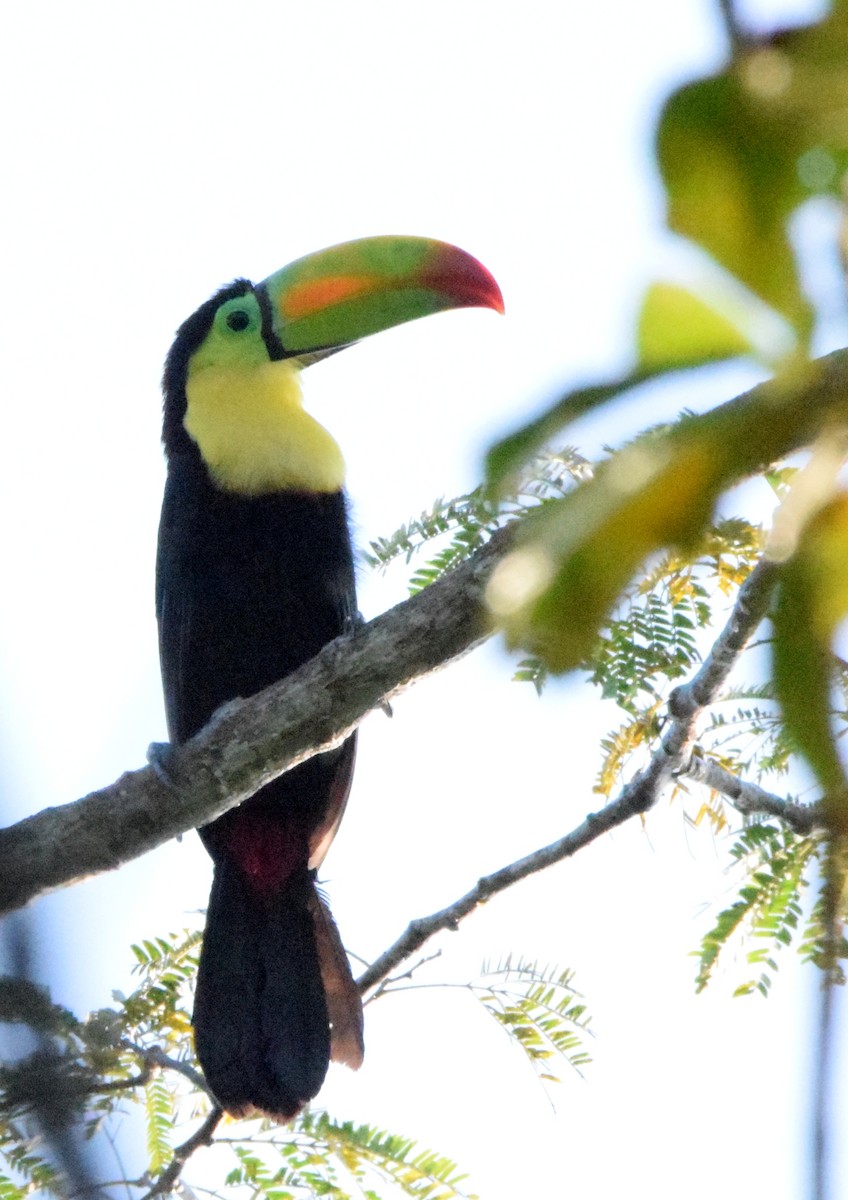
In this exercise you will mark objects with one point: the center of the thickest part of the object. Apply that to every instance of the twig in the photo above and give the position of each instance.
(154, 1058)
(422, 929)
(201, 1137)
(390, 982)
(748, 798)
(639, 795)
(736, 35)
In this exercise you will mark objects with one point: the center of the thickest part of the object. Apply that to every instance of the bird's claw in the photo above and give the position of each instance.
(158, 756)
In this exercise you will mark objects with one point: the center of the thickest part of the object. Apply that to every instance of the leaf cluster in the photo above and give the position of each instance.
(320, 1156)
(465, 522)
(769, 911)
(540, 1010)
(140, 1053)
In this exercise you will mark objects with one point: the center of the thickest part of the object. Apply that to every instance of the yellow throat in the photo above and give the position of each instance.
(252, 431)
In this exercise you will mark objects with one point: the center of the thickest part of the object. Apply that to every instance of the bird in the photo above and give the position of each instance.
(255, 574)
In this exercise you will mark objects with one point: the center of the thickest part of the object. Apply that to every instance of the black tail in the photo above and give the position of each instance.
(270, 971)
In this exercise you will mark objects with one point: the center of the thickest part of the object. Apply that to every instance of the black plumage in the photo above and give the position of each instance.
(255, 575)
(248, 589)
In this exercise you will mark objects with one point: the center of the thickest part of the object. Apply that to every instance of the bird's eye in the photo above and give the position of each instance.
(239, 320)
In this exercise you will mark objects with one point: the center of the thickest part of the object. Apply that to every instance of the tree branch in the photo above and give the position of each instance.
(736, 36)
(687, 702)
(203, 1136)
(249, 742)
(641, 793)
(748, 798)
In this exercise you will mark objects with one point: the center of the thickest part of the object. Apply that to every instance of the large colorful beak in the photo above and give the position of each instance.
(339, 295)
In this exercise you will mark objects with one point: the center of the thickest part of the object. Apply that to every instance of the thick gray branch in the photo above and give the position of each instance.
(252, 741)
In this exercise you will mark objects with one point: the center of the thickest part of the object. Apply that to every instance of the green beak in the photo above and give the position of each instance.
(339, 295)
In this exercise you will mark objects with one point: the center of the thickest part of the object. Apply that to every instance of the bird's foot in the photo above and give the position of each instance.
(158, 756)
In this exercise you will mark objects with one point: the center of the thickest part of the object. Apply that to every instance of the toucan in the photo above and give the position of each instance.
(255, 573)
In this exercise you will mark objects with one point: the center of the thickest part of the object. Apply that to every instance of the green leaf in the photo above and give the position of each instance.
(768, 907)
(728, 163)
(812, 603)
(363, 1149)
(678, 327)
(507, 458)
(540, 1010)
(740, 151)
(159, 1108)
(575, 556)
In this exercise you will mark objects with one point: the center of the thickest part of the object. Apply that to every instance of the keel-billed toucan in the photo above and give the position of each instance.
(255, 574)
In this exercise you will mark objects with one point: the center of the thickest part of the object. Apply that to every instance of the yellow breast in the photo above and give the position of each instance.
(252, 431)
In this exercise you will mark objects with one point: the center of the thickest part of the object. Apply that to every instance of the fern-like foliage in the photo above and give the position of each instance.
(140, 1051)
(90, 1068)
(769, 909)
(364, 1152)
(466, 522)
(532, 670)
(159, 1112)
(540, 1010)
(654, 639)
(33, 1174)
(320, 1156)
(620, 744)
(158, 1007)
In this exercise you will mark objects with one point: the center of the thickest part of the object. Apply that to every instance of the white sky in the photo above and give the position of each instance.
(152, 152)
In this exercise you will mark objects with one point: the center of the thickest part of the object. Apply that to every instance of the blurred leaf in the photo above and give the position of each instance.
(575, 556)
(812, 602)
(729, 169)
(677, 326)
(740, 151)
(508, 457)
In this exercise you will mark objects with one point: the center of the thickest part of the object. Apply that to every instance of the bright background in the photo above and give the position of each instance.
(152, 152)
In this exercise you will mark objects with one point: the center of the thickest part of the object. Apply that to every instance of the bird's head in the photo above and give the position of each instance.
(231, 379)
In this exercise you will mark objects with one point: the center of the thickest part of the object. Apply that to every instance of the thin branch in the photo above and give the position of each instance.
(249, 742)
(155, 1058)
(391, 982)
(736, 35)
(200, 1138)
(639, 795)
(749, 799)
(687, 702)
(421, 930)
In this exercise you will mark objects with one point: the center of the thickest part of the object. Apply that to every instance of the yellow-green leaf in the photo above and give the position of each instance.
(576, 555)
(728, 158)
(677, 327)
(812, 602)
(740, 151)
(510, 454)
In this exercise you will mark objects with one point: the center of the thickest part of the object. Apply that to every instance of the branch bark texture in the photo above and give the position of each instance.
(249, 742)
